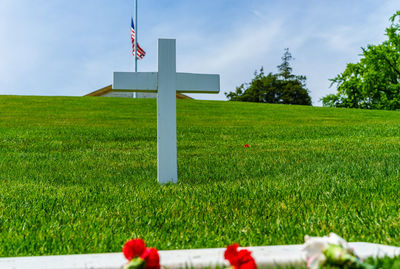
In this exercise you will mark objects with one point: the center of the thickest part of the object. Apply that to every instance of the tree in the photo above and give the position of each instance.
(280, 88)
(373, 82)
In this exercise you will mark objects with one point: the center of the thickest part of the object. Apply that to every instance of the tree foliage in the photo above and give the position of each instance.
(281, 88)
(373, 82)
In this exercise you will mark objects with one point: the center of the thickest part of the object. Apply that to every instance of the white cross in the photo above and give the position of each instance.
(166, 82)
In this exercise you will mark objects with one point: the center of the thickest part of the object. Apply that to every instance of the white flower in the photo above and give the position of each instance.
(314, 248)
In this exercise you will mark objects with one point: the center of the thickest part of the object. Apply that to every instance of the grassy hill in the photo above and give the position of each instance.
(78, 175)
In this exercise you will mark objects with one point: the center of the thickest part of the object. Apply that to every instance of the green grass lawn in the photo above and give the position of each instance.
(78, 175)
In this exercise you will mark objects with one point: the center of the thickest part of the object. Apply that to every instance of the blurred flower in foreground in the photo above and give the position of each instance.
(247, 146)
(139, 256)
(331, 250)
(239, 259)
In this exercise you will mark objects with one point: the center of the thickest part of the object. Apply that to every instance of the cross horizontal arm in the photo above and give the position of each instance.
(148, 82)
(135, 82)
(197, 83)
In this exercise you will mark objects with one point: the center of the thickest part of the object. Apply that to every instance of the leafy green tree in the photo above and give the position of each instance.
(281, 88)
(373, 82)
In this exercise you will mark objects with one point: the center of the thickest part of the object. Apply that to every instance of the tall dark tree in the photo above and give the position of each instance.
(373, 82)
(281, 88)
(285, 70)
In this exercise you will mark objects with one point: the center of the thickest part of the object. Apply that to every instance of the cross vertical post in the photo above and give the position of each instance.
(166, 112)
(166, 83)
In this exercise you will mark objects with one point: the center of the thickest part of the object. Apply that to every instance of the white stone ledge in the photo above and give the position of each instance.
(266, 257)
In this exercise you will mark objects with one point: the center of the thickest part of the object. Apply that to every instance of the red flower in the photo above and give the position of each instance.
(133, 248)
(152, 258)
(239, 259)
(136, 252)
(247, 146)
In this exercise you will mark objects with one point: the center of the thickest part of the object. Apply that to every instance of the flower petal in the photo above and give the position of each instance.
(152, 259)
(133, 248)
(315, 261)
(337, 240)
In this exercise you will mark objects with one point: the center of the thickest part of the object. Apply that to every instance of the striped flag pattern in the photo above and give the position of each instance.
(140, 52)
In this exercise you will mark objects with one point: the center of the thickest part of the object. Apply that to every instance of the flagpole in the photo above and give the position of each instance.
(136, 35)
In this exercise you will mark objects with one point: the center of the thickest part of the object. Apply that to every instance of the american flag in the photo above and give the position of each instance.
(140, 52)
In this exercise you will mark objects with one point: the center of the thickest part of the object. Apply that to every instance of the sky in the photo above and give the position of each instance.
(71, 47)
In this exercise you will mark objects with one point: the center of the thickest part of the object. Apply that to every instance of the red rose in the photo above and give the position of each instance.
(247, 146)
(239, 259)
(136, 252)
(152, 258)
(133, 248)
